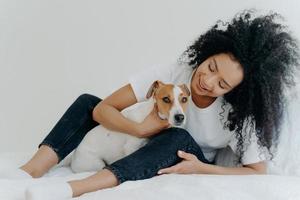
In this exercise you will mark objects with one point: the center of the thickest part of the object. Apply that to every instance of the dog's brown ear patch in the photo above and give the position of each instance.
(156, 84)
(185, 89)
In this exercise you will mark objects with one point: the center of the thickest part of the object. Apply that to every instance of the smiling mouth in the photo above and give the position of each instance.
(200, 85)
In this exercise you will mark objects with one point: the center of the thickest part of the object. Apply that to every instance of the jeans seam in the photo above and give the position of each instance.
(192, 147)
(158, 167)
(71, 135)
(81, 122)
(173, 157)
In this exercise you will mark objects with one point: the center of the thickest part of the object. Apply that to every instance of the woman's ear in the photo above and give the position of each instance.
(156, 84)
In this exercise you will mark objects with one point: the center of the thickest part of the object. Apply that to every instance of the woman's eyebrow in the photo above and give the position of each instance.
(218, 70)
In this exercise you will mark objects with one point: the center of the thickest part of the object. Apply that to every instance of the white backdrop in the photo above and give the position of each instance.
(51, 51)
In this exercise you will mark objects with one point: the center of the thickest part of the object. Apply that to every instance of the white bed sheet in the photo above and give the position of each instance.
(174, 187)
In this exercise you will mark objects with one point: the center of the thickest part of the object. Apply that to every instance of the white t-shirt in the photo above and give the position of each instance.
(203, 124)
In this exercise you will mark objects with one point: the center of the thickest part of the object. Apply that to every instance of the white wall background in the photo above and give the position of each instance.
(51, 51)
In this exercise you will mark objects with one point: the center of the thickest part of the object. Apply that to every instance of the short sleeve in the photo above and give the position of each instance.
(253, 152)
(141, 81)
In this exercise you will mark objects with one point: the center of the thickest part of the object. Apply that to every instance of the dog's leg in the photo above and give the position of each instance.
(86, 162)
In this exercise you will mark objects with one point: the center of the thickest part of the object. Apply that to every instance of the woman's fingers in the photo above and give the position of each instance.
(168, 170)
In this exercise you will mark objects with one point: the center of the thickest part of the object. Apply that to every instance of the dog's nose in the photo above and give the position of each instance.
(179, 118)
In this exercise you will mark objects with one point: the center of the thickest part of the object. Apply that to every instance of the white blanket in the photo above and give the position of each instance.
(208, 187)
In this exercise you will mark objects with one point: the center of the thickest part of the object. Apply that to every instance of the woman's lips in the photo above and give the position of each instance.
(200, 85)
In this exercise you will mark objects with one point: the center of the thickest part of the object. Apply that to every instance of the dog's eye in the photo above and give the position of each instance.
(184, 99)
(166, 100)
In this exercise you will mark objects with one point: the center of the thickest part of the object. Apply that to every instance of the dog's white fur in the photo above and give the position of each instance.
(102, 146)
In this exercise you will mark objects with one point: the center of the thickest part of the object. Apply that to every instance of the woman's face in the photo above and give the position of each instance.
(216, 76)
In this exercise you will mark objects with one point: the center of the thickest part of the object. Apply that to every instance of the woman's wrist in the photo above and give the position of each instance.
(138, 130)
(203, 168)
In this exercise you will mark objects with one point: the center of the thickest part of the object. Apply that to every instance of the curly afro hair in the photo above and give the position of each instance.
(269, 56)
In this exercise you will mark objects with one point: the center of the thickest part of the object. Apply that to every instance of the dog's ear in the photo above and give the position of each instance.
(156, 84)
(185, 89)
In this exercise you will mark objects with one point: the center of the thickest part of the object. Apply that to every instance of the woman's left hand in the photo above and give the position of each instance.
(189, 165)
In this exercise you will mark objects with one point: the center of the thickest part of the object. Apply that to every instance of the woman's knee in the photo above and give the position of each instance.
(176, 132)
(174, 136)
(88, 97)
(88, 100)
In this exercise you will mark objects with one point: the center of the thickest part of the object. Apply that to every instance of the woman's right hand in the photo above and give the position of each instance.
(152, 124)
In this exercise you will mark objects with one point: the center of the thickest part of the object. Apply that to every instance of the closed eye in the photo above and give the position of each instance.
(221, 85)
(210, 68)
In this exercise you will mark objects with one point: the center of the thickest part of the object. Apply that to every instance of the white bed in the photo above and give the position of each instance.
(173, 186)
(283, 181)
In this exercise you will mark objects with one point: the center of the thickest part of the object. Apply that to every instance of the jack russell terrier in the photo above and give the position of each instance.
(101, 146)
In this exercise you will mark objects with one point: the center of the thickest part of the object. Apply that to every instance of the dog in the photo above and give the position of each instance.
(101, 146)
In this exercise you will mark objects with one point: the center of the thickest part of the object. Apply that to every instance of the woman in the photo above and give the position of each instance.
(236, 75)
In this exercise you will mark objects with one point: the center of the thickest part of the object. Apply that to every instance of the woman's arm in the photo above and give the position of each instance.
(107, 112)
(191, 165)
(256, 168)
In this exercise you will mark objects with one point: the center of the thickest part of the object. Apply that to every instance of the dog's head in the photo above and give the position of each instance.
(171, 101)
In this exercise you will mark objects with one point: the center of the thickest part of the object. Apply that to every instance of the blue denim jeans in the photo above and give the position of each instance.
(160, 152)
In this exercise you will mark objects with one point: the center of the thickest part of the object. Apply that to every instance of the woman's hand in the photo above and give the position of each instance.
(152, 124)
(189, 165)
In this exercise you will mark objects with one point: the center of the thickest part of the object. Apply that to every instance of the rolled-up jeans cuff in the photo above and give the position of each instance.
(116, 172)
(50, 145)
